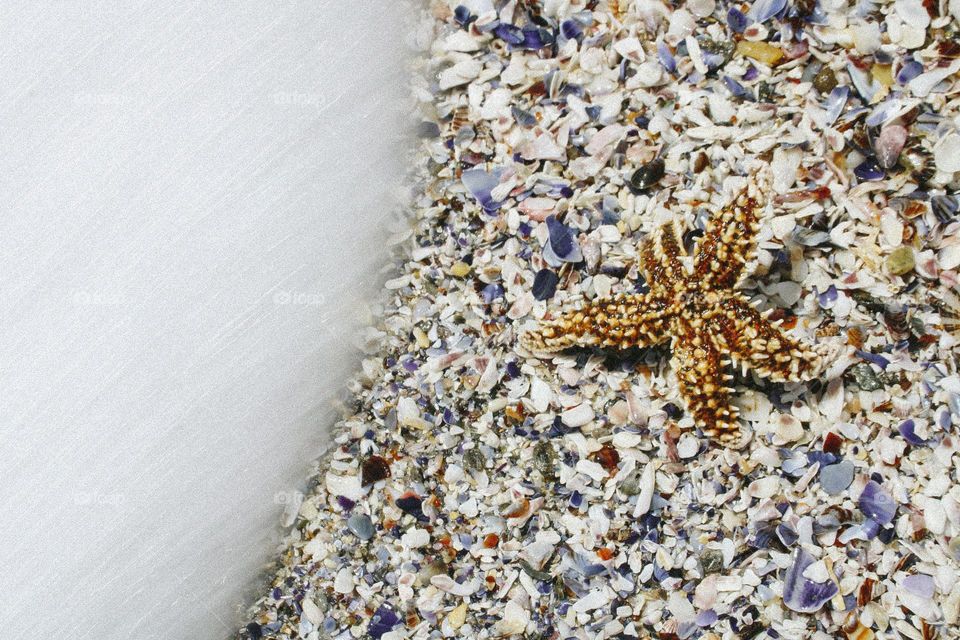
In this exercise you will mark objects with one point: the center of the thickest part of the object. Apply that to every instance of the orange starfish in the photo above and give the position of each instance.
(708, 322)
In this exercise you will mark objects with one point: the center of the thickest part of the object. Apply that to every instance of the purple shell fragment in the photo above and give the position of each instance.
(737, 89)
(877, 504)
(886, 111)
(481, 183)
(382, 622)
(530, 38)
(910, 70)
(945, 207)
(873, 358)
(944, 421)
(545, 284)
(828, 298)
(666, 57)
(462, 15)
(511, 34)
(535, 38)
(920, 585)
(491, 292)
(869, 169)
(870, 528)
(571, 29)
(863, 82)
(562, 244)
(763, 10)
(707, 618)
(908, 429)
(802, 594)
(736, 20)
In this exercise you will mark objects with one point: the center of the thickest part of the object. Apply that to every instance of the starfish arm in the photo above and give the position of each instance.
(762, 346)
(624, 321)
(729, 242)
(660, 258)
(699, 367)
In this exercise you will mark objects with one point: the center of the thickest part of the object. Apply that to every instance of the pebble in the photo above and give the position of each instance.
(361, 526)
(825, 81)
(900, 261)
(835, 478)
(763, 52)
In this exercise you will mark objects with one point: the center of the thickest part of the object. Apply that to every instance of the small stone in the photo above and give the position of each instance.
(631, 486)
(825, 81)
(835, 478)
(312, 612)
(459, 269)
(763, 52)
(889, 144)
(865, 377)
(374, 469)
(544, 459)
(361, 526)
(647, 176)
(711, 561)
(900, 261)
(474, 459)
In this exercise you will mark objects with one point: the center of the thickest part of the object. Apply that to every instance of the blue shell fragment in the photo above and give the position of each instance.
(944, 207)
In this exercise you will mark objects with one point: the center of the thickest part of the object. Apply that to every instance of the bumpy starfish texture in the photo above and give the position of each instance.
(699, 310)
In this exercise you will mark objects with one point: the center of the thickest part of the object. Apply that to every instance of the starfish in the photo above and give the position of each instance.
(700, 310)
